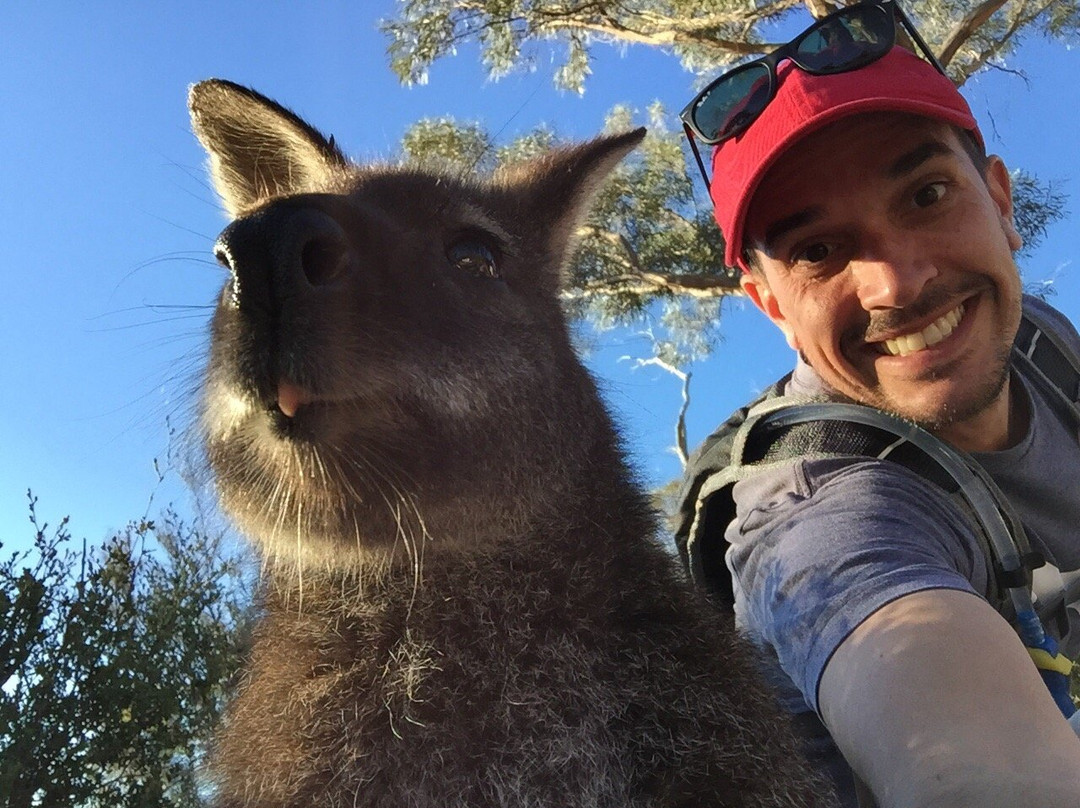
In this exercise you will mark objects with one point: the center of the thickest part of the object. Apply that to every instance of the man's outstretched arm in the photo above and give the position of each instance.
(935, 703)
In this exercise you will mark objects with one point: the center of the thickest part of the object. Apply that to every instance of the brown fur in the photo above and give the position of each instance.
(464, 600)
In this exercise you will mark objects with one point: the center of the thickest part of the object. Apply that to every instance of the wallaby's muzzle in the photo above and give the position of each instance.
(282, 252)
(295, 276)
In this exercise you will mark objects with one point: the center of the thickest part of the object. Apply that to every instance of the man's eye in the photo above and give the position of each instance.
(929, 194)
(814, 254)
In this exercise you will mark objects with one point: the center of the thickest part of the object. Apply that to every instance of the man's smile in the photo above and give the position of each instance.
(934, 333)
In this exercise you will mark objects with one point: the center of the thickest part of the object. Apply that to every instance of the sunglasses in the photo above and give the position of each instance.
(845, 40)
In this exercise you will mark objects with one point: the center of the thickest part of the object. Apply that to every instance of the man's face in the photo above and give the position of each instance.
(886, 259)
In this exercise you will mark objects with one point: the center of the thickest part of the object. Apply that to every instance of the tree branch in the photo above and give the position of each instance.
(674, 35)
(651, 283)
(680, 448)
(966, 27)
(820, 8)
(1019, 21)
(642, 281)
(750, 13)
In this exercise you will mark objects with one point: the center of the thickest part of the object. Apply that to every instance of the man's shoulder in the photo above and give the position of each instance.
(835, 490)
(820, 545)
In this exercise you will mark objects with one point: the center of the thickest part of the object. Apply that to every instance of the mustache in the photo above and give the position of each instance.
(888, 322)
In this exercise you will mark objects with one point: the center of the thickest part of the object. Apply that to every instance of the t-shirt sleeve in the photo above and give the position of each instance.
(818, 546)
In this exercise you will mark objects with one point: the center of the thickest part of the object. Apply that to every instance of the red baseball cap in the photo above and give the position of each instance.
(897, 82)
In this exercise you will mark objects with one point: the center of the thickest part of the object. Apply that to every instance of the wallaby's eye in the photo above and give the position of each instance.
(473, 255)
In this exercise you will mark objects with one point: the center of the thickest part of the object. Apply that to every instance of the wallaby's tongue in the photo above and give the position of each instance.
(290, 398)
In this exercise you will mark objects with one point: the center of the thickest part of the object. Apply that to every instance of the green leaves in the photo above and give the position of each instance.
(704, 35)
(1036, 206)
(115, 661)
(445, 144)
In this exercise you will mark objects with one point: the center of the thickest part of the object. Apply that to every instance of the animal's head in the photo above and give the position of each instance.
(389, 358)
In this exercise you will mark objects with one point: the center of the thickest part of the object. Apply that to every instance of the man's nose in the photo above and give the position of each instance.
(892, 276)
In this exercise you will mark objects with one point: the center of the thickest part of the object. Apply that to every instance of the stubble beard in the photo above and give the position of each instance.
(949, 414)
(958, 409)
(955, 412)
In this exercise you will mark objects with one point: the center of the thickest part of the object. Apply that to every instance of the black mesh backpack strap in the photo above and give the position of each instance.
(870, 432)
(699, 529)
(1054, 365)
(1050, 361)
(778, 430)
(738, 449)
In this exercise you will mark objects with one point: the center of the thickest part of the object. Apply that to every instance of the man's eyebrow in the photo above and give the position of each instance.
(908, 162)
(781, 226)
(904, 164)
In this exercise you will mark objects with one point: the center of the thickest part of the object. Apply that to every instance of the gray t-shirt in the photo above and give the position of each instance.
(818, 546)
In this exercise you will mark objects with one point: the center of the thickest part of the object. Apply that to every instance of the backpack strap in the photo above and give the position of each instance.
(870, 432)
(711, 465)
(1050, 361)
(777, 429)
(1054, 365)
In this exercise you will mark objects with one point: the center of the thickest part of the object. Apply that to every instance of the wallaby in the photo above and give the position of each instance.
(464, 599)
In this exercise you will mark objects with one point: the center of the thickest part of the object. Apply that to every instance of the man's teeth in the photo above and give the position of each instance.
(931, 335)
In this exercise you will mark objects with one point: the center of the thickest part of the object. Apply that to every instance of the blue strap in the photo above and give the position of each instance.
(1054, 667)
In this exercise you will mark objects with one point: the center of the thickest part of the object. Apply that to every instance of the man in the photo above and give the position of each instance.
(873, 230)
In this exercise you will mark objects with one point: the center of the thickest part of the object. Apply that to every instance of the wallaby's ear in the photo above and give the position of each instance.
(558, 188)
(258, 149)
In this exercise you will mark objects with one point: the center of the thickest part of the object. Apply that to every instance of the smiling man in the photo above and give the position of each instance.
(852, 187)
(895, 264)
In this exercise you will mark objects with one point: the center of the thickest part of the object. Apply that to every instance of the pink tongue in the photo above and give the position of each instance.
(290, 398)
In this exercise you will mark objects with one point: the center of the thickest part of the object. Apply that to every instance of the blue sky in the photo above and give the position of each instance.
(107, 220)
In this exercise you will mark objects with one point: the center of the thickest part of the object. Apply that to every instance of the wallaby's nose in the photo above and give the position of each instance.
(280, 253)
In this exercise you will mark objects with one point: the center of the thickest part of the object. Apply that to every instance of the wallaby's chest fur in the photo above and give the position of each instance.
(464, 600)
(500, 676)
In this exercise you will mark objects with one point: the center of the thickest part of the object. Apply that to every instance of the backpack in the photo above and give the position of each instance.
(776, 429)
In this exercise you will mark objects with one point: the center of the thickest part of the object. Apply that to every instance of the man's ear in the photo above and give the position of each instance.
(999, 183)
(757, 289)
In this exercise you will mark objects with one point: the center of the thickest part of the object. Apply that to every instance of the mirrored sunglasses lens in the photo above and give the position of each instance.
(733, 104)
(846, 41)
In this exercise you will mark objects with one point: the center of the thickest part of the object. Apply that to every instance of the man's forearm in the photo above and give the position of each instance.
(935, 702)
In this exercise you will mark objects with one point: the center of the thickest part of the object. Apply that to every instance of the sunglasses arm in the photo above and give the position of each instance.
(697, 155)
(908, 30)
